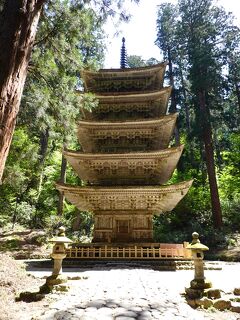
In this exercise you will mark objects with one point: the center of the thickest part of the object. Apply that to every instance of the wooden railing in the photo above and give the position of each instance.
(164, 251)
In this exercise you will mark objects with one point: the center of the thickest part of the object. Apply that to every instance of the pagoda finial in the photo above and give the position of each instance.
(123, 60)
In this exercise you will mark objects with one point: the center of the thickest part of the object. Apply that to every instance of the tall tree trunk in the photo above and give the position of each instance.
(237, 88)
(62, 180)
(43, 142)
(219, 160)
(44, 138)
(14, 218)
(186, 107)
(209, 153)
(77, 221)
(173, 106)
(187, 113)
(19, 20)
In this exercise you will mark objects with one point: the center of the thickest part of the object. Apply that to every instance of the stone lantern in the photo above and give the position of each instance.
(199, 283)
(58, 254)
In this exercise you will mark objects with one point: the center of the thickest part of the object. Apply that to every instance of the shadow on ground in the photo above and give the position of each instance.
(111, 309)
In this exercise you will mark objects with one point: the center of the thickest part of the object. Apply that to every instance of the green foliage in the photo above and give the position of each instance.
(192, 214)
(166, 28)
(202, 43)
(229, 176)
(70, 37)
(88, 101)
(231, 214)
(68, 40)
(134, 61)
(10, 244)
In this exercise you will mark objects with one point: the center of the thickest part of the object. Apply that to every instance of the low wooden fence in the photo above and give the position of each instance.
(164, 251)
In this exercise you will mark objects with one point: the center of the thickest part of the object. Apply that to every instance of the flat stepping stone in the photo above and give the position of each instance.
(235, 307)
(63, 315)
(105, 311)
(127, 314)
(111, 305)
(96, 304)
(91, 309)
(87, 317)
(78, 312)
(125, 318)
(145, 313)
(136, 309)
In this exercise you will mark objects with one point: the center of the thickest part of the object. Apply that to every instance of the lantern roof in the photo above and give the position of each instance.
(60, 238)
(196, 244)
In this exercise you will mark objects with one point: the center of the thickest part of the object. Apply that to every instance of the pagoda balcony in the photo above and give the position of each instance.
(128, 136)
(124, 80)
(148, 168)
(143, 251)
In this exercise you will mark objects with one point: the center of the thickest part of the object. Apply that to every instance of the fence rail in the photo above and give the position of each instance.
(135, 252)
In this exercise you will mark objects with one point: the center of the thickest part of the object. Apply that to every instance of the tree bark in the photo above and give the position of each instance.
(173, 106)
(77, 221)
(237, 88)
(186, 107)
(209, 153)
(19, 20)
(62, 180)
(43, 141)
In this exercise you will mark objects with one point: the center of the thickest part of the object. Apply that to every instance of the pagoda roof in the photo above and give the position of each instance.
(127, 136)
(135, 168)
(151, 104)
(128, 79)
(152, 199)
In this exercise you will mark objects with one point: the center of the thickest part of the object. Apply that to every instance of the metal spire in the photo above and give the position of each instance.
(123, 60)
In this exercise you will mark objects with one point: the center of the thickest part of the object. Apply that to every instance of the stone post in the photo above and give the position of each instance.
(58, 254)
(197, 256)
(199, 283)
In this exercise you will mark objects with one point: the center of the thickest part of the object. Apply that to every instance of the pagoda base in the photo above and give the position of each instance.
(150, 251)
(123, 226)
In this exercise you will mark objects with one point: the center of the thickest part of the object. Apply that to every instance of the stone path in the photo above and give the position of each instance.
(129, 294)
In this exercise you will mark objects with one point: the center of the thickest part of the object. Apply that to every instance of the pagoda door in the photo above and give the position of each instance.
(123, 230)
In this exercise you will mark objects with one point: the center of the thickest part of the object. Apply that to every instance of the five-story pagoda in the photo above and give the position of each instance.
(126, 160)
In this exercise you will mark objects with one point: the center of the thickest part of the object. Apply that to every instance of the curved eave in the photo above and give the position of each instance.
(124, 156)
(113, 97)
(154, 199)
(108, 125)
(127, 72)
(125, 97)
(125, 169)
(144, 190)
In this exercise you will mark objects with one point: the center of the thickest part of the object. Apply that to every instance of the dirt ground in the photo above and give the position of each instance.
(14, 279)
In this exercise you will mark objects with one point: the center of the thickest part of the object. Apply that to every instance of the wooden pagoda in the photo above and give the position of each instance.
(126, 162)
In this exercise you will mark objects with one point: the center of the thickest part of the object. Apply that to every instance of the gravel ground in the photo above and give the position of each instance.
(128, 294)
